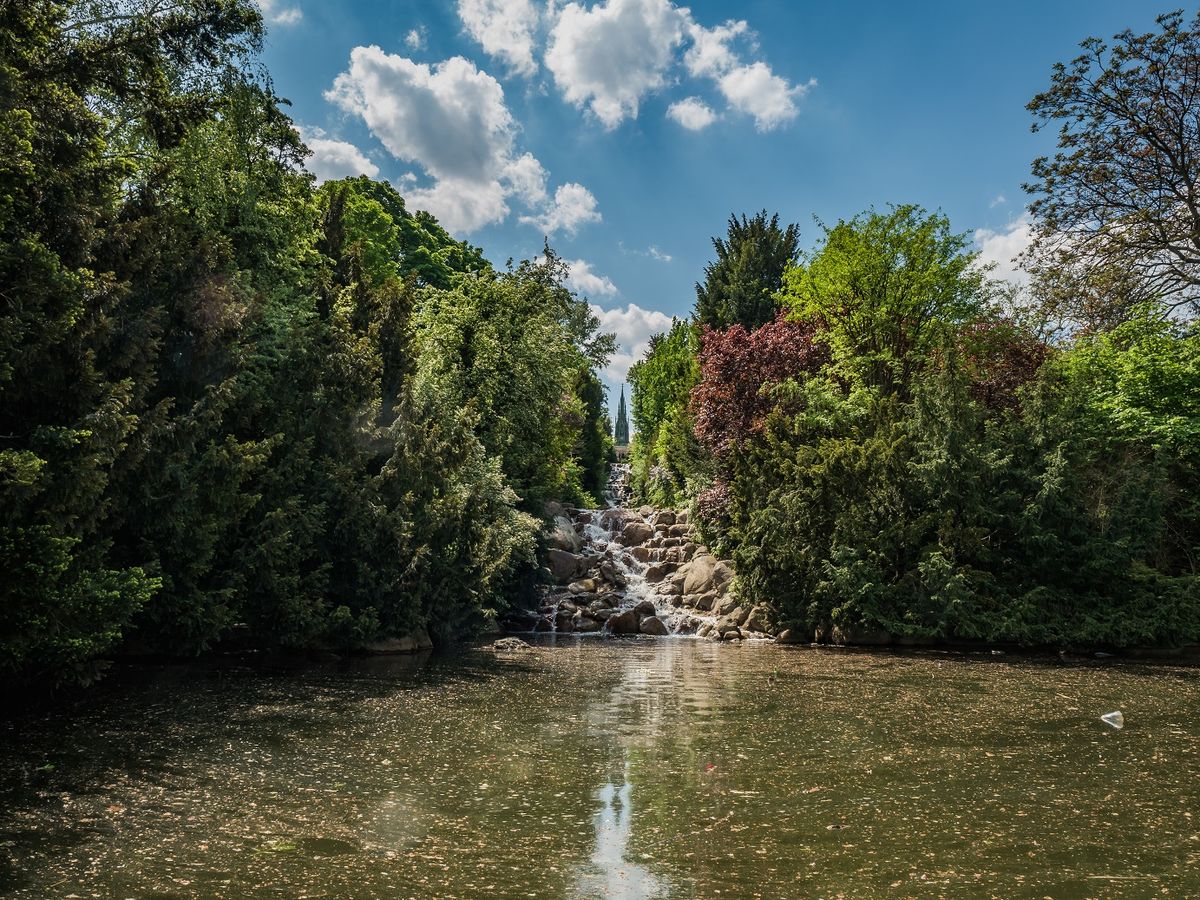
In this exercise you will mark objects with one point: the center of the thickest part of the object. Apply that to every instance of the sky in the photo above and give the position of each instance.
(626, 132)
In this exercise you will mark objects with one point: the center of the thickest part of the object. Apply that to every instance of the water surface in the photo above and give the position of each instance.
(612, 768)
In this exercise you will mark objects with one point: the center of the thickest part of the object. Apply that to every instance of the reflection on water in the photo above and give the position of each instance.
(612, 769)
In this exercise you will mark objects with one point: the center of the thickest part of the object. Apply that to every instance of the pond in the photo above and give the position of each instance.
(612, 768)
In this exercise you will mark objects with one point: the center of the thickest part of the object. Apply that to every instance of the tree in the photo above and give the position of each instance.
(886, 288)
(740, 287)
(1122, 193)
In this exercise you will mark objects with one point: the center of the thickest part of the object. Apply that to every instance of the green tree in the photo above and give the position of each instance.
(740, 287)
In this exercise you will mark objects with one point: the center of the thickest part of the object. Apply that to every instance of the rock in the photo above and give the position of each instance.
(698, 574)
(561, 535)
(682, 517)
(409, 643)
(510, 645)
(725, 605)
(653, 625)
(670, 588)
(704, 630)
(659, 571)
(583, 586)
(686, 552)
(610, 573)
(725, 625)
(664, 517)
(603, 615)
(553, 509)
(672, 542)
(563, 565)
(624, 622)
(732, 635)
(722, 574)
(679, 531)
(738, 615)
(645, 608)
(564, 620)
(756, 619)
(645, 511)
(521, 620)
(604, 601)
(641, 554)
(636, 533)
(583, 625)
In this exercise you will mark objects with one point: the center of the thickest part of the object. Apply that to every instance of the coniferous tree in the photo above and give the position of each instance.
(739, 288)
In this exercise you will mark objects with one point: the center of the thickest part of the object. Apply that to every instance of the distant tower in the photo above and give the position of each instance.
(621, 433)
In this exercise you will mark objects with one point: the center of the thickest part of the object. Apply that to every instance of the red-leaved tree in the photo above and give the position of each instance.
(729, 404)
(1001, 358)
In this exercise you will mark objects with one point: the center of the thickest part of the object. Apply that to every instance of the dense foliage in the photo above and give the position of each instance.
(235, 406)
(897, 457)
(740, 286)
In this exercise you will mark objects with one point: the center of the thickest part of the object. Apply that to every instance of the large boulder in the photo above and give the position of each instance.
(624, 622)
(654, 625)
(563, 565)
(636, 533)
(561, 535)
(583, 586)
(698, 574)
(645, 608)
(756, 620)
(664, 517)
(723, 606)
(680, 531)
(641, 554)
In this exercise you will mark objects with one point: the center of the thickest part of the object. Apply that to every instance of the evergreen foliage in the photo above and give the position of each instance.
(235, 407)
(740, 287)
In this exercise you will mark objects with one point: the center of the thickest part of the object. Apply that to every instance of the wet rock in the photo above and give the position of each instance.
(705, 629)
(624, 622)
(583, 586)
(564, 620)
(645, 608)
(604, 601)
(659, 571)
(520, 620)
(641, 554)
(670, 588)
(603, 615)
(510, 645)
(653, 625)
(562, 564)
(585, 625)
(561, 535)
(733, 635)
(636, 533)
(610, 573)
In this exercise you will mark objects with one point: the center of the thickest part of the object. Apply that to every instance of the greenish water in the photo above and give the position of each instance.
(668, 768)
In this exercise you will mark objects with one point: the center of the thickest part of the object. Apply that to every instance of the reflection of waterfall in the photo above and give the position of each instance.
(613, 874)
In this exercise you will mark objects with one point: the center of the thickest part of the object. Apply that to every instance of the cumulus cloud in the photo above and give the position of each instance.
(633, 327)
(505, 29)
(452, 121)
(609, 57)
(277, 14)
(1004, 246)
(710, 55)
(415, 39)
(333, 159)
(584, 281)
(756, 90)
(692, 113)
(572, 207)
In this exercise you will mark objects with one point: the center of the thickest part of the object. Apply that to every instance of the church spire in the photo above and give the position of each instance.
(621, 432)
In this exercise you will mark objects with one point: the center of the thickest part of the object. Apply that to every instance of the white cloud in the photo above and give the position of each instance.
(572, 207)
(504, 28)
(584, 281)
(609, 57)
(333, 159)
(415, 39)
(997, 201)
(692, 113)
(1003, 247)
(756, 90)
(651, 252)
(710, 55)
(451, 120)
(277, 14)
(633, 327)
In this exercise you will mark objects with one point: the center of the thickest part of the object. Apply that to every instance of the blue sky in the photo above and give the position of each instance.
(629, 130)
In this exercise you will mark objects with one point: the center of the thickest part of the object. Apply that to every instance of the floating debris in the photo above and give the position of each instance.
(1116, 719)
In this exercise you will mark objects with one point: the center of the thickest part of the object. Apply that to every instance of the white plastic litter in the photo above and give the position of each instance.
(1115, 719)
